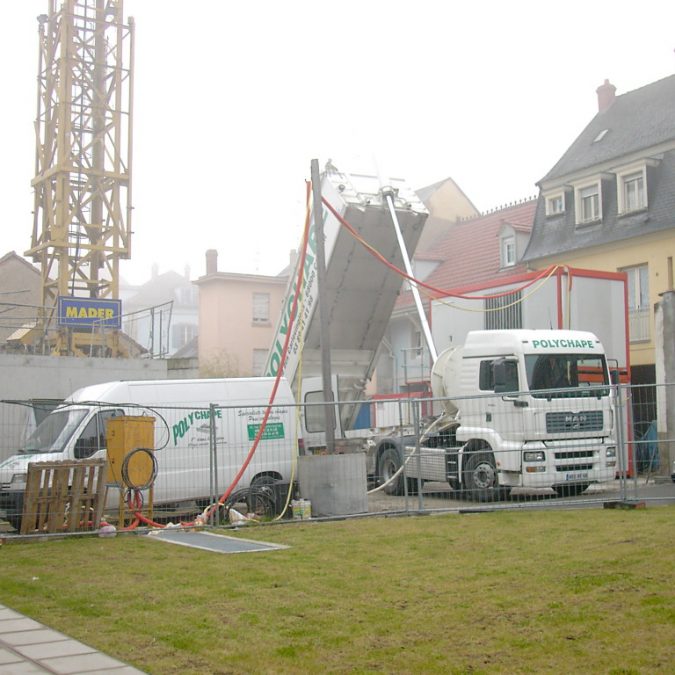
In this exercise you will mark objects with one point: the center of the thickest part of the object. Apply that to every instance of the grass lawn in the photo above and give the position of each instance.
(588, 591)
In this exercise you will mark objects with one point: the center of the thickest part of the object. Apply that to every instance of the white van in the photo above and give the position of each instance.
(182, 411)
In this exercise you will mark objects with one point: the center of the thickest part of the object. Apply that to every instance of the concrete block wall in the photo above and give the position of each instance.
(25, 377)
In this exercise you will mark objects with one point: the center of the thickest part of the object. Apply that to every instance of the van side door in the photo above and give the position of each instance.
(93, 438)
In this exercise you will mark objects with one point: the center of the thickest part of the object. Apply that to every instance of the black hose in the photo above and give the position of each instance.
(125, 469)
(260, 500)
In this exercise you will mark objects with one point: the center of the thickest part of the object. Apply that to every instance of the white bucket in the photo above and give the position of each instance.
(302, 509)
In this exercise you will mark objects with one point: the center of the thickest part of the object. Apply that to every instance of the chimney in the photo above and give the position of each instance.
(292, 260)
(155, 270)
(605, 94)
(211, 261)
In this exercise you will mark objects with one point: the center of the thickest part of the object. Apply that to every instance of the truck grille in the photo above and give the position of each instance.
(575, 467)
(575, 454)
(562, 422)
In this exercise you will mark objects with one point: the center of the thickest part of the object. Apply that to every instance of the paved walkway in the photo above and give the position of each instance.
(27, 646)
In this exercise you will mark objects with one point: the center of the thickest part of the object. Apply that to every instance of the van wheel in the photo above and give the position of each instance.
(15, 521)
(264, 481)
(261, 498)
(480, 477)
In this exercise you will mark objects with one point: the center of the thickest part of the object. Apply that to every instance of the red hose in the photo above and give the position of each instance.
(139, 517)
(284, 353)
(438, 291)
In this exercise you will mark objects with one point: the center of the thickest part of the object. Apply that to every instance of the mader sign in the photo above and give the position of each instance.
(92, 313)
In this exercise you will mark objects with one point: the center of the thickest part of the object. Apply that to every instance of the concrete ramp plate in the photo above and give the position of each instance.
(208, 541)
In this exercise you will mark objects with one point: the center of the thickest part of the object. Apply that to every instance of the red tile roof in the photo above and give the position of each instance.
(470, 250)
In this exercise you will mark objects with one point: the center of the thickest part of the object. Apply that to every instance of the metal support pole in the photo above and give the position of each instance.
(388, 194)
(621, 450)
(322, 308)
(403, 454)
(418, 450)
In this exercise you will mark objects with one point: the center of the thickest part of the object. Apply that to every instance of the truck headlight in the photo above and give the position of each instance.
(534, 456)
(18, 481)
(611, 451)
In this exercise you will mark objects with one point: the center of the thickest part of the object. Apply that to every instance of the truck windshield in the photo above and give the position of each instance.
(562, 375)
(54, 431)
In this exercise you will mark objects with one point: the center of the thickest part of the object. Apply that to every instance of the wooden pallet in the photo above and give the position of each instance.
(64, 496)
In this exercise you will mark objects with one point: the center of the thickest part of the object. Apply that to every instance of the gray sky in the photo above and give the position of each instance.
(234, 99)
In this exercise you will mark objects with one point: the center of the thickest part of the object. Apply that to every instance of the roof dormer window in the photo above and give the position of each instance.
(555, 204)
(588, 203)
(631, 189)
(508, 251)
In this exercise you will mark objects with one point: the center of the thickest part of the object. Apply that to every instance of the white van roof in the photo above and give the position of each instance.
(223, 391)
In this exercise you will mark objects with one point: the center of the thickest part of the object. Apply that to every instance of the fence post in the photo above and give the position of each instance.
(635, 446)
(416, 418)
(620, 441)
(213, 464)
(404, 465)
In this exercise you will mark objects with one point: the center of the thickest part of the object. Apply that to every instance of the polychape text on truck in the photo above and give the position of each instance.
(77, 430)
(522, 408)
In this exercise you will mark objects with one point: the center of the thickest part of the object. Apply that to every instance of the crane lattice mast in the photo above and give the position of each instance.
(82, 183)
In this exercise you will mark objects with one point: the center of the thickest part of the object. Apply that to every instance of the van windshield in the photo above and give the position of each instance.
(54, 431)
(562, 375)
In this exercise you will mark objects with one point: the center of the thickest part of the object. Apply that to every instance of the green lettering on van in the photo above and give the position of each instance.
(182, 426)
(273, 431)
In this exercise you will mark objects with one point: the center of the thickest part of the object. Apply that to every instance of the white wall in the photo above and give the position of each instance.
(452, 319)
(595, 305)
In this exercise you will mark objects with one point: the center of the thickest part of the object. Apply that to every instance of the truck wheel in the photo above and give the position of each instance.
(571, 490)
(480, 477)
(454, 484)
(388, 464)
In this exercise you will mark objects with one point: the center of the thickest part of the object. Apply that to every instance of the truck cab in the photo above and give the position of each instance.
(524, 408)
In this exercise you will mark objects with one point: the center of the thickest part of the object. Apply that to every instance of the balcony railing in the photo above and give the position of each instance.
(639, 325)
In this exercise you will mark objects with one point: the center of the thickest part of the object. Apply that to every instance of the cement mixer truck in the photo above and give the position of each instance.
(521, 408)
(501, 426)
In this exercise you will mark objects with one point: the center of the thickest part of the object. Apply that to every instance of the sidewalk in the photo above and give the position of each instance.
(27, 646)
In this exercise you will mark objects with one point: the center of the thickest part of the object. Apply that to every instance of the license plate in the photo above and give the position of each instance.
(576, 476)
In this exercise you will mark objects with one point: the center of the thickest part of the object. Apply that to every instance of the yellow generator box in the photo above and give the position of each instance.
(125, 435)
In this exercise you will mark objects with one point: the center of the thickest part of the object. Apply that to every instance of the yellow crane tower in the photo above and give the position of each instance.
(82, 183)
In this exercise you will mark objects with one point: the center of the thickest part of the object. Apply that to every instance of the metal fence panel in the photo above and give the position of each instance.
(493, 451)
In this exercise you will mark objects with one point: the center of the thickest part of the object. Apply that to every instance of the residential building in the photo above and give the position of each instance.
(162, 315)
(237, 318)
(609, 204)
(20, 294)
(446, 204)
